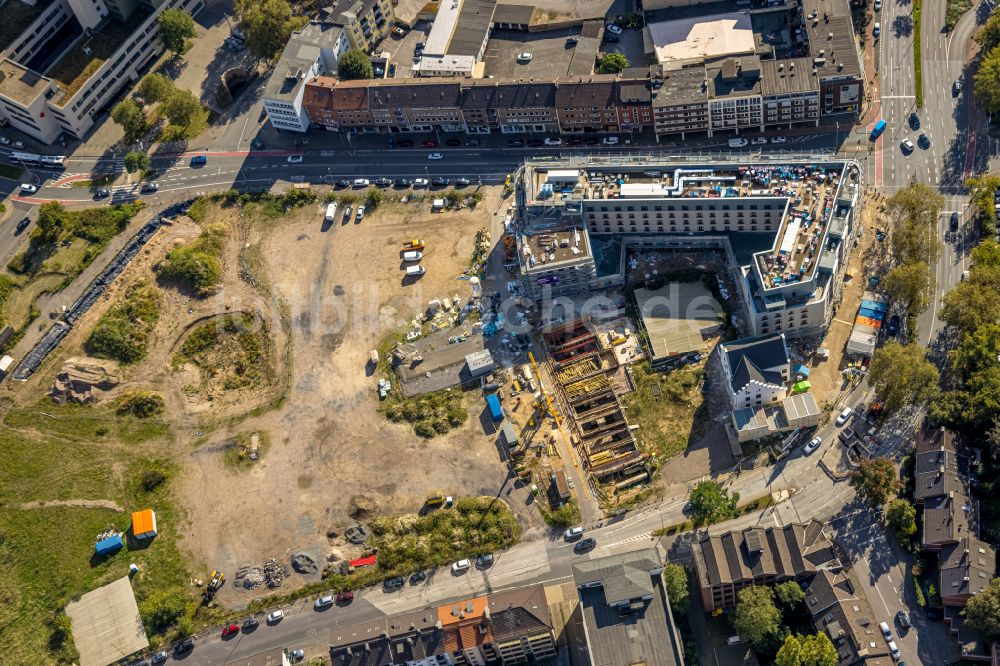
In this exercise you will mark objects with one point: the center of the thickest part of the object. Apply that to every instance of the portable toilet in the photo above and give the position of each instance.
(144, 524)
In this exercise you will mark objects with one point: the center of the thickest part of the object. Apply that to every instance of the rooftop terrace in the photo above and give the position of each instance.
(77, 65)
(554, 247)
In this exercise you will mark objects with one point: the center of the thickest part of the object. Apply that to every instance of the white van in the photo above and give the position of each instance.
(415, 270)
(412, 255)
(331, 211)
(738, 143)
(844, 415)
(886, 631)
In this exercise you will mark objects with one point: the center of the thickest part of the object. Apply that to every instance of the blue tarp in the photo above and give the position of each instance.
(871, 314)
(873, 305)
(801, 370)
(109, 546)
(494, 403)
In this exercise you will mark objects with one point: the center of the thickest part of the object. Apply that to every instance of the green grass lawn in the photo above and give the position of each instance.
(668, 422)
(63, 453)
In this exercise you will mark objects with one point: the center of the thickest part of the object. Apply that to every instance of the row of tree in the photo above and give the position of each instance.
(759, 620)
(180, 107)
(913, 242)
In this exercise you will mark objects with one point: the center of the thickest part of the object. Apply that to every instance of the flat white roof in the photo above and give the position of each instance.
(443, 27)
(702, 37)
(635, 190)
(447, 63)
(559, 175)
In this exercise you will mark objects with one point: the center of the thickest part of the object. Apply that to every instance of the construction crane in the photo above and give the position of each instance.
(548, 400)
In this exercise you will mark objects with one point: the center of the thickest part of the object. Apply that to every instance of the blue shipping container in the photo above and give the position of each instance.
(873, 305)
(494, 402)
(109, 546)
(871, 314)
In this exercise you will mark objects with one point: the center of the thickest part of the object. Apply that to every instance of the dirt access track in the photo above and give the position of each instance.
(343, 290)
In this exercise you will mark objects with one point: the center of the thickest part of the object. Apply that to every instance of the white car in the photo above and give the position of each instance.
(275, 616)
(361, 182)
(812, 445)
(4, 141)
(435, 156)
(324, 601)
(573, 533)
(553, 141)
(843, 416)
(420, 182)
(778, 139)
(877, 30)
(610, 141)
(294, 159)
(906, 145)
(296, 655)
(894, 650)
(757, 140)
(460, 566)
(878, 5)
(28, 188)
(361, 212)
(613, 29)
(524, 57)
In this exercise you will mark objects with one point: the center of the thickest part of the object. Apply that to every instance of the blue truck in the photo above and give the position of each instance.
(493, 400)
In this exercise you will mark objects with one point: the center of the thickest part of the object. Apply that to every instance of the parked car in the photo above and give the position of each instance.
(361, 213)
(399, 32)
(877, 30)
(158, 658)
(812, 445)
(894, 650)
(435, 156)
(361, 182)
(18, 145)
(903, 619)
(462, 182)
(471, 142)
(440, 181)
(429, 143)
(453, 142)
(296, 655)
(324, 602)
(843, 416)
(525, 56)
(886, 631)
(553, 141)
(585, 544)
(573, 533)
(231, 630)
(250, 624)
(461, 566)
(778, 139)
(393, 583)
(515, 143)
(572, 40)
(536, 143)
(418, 577)
(613, 29)
(294, 159)
(28, 188)
(610, 141)
(344, 598)
(484, 561)
(878, 5)
(343, 182)
(402, 182)
(758, 140)
(420, 182)
(893, 326)
(4, 141)
(383, 182)
(956, 88)
(405, 143)
(275, 616)
(148, 188)
(183, 647)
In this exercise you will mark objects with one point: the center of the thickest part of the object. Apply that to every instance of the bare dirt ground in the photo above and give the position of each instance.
(344, 290)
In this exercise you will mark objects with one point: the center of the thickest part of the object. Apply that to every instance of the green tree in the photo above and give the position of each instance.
(982, 613)
(902, 517)
(978, 350)
(909, 285)
(789, 595)
(711, 503)
(267, 24)
(875, 480)
(137, 161)
(989, 36)
(818, 650)
(181, 107)
(970, 305)
(986, 82)
(354, 64)
(914, 212)
(612, 63)
(756, 619)
(53, 220)
(130, 117)
(176, 27)
(676, 582)
(982, 188)
(373, 199)
(902, 375)
(155, 88)
(790, 652)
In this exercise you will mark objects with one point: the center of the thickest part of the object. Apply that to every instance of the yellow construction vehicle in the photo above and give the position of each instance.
(548, 401)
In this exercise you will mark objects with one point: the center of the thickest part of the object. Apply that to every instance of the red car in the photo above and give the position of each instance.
(344, 598)
(430, 143)
(231, 630)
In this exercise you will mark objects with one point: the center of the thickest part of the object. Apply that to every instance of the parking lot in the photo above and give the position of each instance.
(401, 49)
(551, 54)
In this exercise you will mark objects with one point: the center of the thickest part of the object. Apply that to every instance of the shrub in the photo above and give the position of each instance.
(424, 429)
(122, 333)
(152, 479)
(196, 265)
(141, 404)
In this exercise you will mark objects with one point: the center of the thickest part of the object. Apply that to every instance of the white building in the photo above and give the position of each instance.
(48, 81)
(312, 51)
(757, 370)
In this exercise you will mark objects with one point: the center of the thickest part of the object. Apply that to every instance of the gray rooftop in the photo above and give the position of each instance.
(966, 567)
(639, 632)
(734, 77)
(472, 27)
(300, 53)
(756, 359)
(682, 86)
(783, 77)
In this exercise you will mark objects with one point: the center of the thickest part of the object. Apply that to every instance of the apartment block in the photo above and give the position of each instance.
(72, 59)
(758, 370)
(365, 22)
(511, 627)
(310, 52)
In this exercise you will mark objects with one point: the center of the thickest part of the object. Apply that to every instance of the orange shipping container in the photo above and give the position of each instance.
(144, 524)
(865, 321)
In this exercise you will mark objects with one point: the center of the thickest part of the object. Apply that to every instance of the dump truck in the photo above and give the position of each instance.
(218, 578)
(415, 244)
